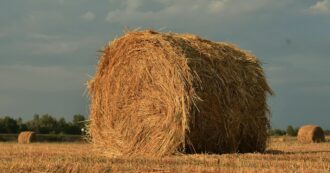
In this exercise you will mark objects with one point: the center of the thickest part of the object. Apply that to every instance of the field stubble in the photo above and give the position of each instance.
(282, 156)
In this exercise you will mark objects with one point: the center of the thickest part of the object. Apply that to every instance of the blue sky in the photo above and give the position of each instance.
(48, 49)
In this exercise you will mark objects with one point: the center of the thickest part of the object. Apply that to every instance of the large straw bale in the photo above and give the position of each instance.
(161, 93)
(26, 137)
(310, 134)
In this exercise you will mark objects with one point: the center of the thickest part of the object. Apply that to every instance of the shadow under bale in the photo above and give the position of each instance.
(158, 94)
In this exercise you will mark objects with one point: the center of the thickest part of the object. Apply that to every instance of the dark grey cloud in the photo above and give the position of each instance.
(48, 48)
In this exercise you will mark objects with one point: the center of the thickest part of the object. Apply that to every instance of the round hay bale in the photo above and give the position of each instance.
(161, 93)
(310, 134)
(26, 137)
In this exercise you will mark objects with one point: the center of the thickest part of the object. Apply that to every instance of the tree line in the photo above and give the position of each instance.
(290, 131)
(44, 124)
(47, 124)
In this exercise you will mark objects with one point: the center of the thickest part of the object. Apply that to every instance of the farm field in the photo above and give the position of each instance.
(281, 156)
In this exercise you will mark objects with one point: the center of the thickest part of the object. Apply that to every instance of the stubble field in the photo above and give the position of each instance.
(281, 156)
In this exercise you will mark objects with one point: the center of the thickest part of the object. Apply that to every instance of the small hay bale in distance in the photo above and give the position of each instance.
(310, 134)
(156, 94)
(282, 139)
(26, 137)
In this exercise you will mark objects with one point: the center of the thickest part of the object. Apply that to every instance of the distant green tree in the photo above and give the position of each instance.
(21, 125)
(45, 124)
(276, 132)
(290, 131)
(2, 130)
(78, 123)
(8, 125)
(48, 124)
(63, 126)
(79, 120)
(34, 124)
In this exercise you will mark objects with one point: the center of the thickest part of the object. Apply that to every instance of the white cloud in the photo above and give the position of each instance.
(131, 11)
(45, 44)
(302, 70)
(39, 78)
(89, 16)
(40, 36)
(42, 44)
(217, 6)
(321, 7)
(49, 47)
(61, 2)
(3, 34)
(189, 9)
(320, 88)
(123, 14)
(57, 47)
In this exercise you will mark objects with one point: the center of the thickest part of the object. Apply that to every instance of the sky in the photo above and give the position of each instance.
(49, 49)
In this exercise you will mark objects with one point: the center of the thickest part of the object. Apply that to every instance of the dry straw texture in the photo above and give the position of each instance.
(162, 93)
(26, 137)
(310, 134)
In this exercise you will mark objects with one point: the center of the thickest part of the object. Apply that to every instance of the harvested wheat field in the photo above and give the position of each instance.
(157, 94)
(288, 156)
